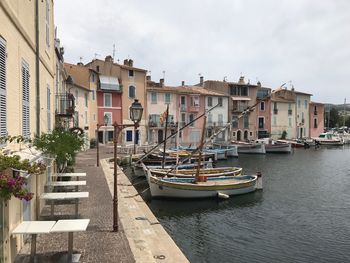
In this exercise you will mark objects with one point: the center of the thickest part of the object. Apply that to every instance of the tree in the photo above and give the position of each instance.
(63, 145)
(333, 118)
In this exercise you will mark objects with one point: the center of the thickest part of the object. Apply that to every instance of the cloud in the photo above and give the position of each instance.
(272, 41)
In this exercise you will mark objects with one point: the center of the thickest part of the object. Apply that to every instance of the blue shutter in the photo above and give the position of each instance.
(25, 100)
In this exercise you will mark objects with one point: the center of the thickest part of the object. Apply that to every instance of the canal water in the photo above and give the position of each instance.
(301, 215)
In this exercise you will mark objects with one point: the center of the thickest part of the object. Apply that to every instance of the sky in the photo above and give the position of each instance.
(303, 43)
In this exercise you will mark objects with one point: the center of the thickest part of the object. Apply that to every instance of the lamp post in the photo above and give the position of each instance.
(136, 111)
(98, 126)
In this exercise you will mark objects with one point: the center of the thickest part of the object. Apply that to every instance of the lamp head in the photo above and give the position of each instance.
(136, 111)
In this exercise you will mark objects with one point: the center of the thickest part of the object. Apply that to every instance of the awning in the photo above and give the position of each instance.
(240, 98)
(109, 83)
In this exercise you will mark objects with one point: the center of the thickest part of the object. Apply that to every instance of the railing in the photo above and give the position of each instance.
(239, 108)
(65, 104)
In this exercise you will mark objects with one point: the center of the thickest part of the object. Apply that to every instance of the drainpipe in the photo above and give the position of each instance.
(37, 67)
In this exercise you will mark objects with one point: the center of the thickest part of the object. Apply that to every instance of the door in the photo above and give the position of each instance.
(245, 135)
(137, 137)
(239, 135)
(100, 136)
(160, 136)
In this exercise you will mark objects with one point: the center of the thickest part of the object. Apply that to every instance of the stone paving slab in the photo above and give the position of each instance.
(98, 243)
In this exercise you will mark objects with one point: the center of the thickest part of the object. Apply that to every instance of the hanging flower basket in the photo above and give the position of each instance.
(14, 186)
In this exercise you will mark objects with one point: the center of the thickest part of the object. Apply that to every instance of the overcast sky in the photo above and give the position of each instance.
(302, 42)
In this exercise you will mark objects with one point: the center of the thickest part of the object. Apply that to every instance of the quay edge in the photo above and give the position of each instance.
(148, 240)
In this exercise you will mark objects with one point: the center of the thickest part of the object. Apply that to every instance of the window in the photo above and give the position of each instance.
(92, 77)
(48, 98)
(47, 23)
(167, 98)
(183, 119)
(129, 136)
(262, 106)
(131, 73)
(86, 117)
(302, 118)
(210, 101)
(239, 91)
(246, 121)
(109, 117)
(3, 122)
(305, 104)
(154, 98)
(274, 120)
(220, 102)
(315, 122)
(93, 95)
(183, 100)
(25, 100)
(76, 97)
(76, 119)
(234, 122)
(261, 122)
(132, 91)
(289, 106)
(107, 97)
(94, 116)
(194, 101)
(290, 122)
(86, 95)
(191, 118)
(210, 118)
(220, 119)
(298, 103)
(98, 68)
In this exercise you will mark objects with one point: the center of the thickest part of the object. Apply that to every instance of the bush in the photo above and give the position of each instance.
(284, 135)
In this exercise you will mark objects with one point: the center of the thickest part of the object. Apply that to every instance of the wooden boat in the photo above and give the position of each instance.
(272, 146)
(247, 147)
(190, 173)
(232, 150)
(294, 143)
(175, 187)
(179, 166)
(220, 154)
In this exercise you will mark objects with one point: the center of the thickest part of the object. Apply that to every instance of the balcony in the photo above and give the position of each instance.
(65, 104)
(275, 111)
(239, 108)
(290, 112)
(193, 109)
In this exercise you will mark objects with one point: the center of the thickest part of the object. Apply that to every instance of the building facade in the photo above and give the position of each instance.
(302, 111)
(27, 85)
(316, 118)
(132, 84)
(263, 109)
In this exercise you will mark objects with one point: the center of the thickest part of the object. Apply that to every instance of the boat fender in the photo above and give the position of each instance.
(223, 196)
(259, 185)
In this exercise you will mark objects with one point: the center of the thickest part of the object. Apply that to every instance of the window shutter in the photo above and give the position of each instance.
(25, 100)
(48, 95)
(3, 126)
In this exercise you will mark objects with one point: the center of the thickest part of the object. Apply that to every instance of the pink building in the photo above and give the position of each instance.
(263, 110)
(316, 116)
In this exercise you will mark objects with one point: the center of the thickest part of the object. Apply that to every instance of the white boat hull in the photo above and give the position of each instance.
(160, 188)
(278, 148)
(255, 148)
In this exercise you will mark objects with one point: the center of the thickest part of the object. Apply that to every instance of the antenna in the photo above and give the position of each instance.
(96, 55)
(113, 51)
(163, 74)
(80, 59)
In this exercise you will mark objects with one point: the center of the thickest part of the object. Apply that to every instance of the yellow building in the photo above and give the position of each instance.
(27, 83)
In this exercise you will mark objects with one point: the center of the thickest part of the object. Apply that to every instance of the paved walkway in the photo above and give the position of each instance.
(99, 243)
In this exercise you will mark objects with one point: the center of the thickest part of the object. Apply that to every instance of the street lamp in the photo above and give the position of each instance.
(105, 118)
(136, 111)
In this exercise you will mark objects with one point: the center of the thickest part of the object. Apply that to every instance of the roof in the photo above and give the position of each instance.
(278, 99)
(120, 65)
(302, 93)
(318, 103)
(195, 90)
(79, 74)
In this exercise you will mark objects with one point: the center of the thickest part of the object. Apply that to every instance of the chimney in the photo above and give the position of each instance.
(161, 82)
(183, 83)
(131, 63)
(80, 64)
(241, 80)
(126, 62)
(109, 59)
(201, 80)
(258, 84)
(148, 77)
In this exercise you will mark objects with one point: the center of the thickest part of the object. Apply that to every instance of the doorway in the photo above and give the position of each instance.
(239, 135)
(160, 136)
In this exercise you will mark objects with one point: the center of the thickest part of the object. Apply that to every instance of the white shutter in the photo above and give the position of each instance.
(48, 95)
(25, 100)
(3, 126)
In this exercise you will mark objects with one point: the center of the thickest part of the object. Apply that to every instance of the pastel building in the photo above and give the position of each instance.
(27, 83)
(302, 111)
(283, 114)
(124, 83)
(242, 96)
(316, 117)
(263, 110)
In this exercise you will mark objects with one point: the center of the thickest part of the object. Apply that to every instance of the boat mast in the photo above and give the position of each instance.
(166, 130)
(201, 149)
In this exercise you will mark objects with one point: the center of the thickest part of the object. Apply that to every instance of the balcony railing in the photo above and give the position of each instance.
(65, 104)
(239, 108)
